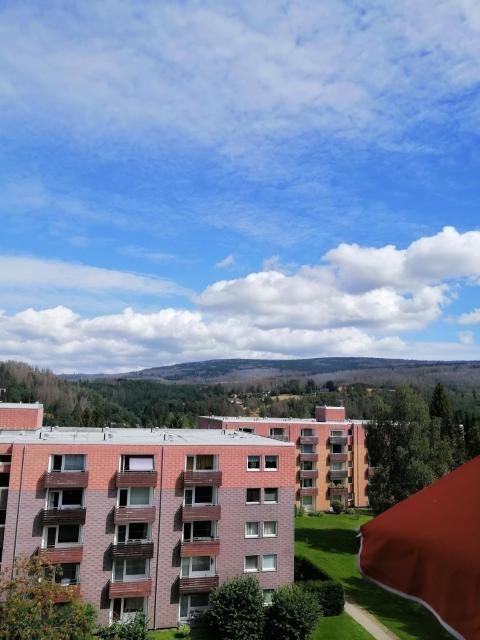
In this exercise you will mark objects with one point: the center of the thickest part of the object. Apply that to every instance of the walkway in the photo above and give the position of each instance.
(369, 622)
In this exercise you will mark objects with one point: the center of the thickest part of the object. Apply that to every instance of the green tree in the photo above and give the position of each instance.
(292, 615)
(30, 609)
(135, 629)
(236, 610)
(441, 408)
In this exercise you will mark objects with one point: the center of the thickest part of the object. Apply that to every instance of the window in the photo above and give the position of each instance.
(277, 432)
(132, 532)
(350, 464)
(193, 604)
(64, 498)
(350, 447)
(201, 463)
(198, 567)
(269, 562)
(271, 463)
(336, 466)
(307, 433)
(253, 496)
(270, 529)
(62, 535)
(251, 564)
(307, 448)
(68, 462)
(336, 448)
(270, 495)
(307, 483)
(307, 502)
(125, 609)
(199, 530)
(66, 574)
(135, 497)
(130, 570)
(337, 434)
(4, 457)
(136, 463)
(252, 529)
(247, 429)
(307, 466)
(200, 496)
(268, 596)
(253, 463)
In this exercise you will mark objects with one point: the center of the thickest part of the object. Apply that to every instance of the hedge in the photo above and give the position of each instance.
(304, 569)
(330, 595)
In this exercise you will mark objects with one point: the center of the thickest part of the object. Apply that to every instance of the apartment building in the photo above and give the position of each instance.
(331, 458)
(148, 520)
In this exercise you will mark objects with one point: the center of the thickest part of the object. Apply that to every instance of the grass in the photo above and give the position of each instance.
(170, 634)
(341, 627)
(329, 541)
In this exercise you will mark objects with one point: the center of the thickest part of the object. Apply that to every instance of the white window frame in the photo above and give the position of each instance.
(129, 540)
(62, 469)
(259, 497)
(311, 433)
(258, 529)
(273, 434)
(191, 611)
(336, 433)
(270, 535)
(130, 616)
(259, 463)
(51, 491)
(213, 530)
(269, 555)
(265, 501)
(134, 506)
(307, 485)
(212, 570)
(271, 468)
(195, 456)
(310, 447)
(270, 592)
(133, 455)
(128, 578)
(200, 504)
(66, 581)
(61, 545)
(256, 570)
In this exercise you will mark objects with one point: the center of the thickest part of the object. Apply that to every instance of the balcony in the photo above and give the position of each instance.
(343, 440)
(65, 480)
(200, 548)
(338, 474)
(198, 585)
(67, 593)
(304, 475)
(338, 457)
(282, 438)
(308, 457)
(62, 516)
(61, 555)
(132, 550)
(136, 479)
(205, 512)
(338, 491)
(123, 515)
(308, 440)
(133, 589)
(370, 472)
(202, 478)
(308, 491)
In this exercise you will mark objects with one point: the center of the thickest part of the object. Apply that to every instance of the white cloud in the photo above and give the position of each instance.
(473, 317)
(466, 337)
(237, 75)
(228, 261)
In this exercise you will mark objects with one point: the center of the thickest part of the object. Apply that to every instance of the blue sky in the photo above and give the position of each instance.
(192, 180)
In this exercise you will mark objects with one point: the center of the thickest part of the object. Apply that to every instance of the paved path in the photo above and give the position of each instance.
(369, 622)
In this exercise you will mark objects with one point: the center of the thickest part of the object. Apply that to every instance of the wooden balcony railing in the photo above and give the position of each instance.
(60, 555)
(202, 478)
(200, 548)
(123, 515)
(63, 516)
(308, 440)
(304, 475)
(308, 491)
(308, 457)
(67, 592)
(133, 589)
(338, 439)
(66, 479)
(205, 512)
(338, 457)
(198, 585)
(338, 474)
(338, 491)
(136, 478)
(132, 550)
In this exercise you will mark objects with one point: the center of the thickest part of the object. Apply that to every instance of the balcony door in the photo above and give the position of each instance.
(198, 567)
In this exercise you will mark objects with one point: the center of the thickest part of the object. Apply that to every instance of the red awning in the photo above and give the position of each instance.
(427, 548)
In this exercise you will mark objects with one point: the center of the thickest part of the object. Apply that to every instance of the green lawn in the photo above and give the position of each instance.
(171, 635)
(329, 541)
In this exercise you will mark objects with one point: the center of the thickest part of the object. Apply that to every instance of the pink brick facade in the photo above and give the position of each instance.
(31, 460)
(21, 416)
(329, 420)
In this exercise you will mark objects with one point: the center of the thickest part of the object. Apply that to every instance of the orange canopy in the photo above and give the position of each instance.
(427, 548)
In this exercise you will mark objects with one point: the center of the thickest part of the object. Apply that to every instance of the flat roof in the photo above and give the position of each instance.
(160, 437)
(245, 419)
(21, 405)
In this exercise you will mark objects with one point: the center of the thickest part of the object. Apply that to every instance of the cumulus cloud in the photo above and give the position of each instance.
(472, 317)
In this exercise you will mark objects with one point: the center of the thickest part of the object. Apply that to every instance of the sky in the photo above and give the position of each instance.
(191, 180)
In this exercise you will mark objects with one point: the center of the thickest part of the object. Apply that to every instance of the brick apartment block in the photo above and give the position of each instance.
(146, 520)
(331, 458)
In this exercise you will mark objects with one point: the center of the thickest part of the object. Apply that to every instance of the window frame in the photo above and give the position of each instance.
(277, 463)
(269, 555)
(259, 501)
(138, 577)
(254, 469)
(135, 506)
(129, 540)
(265, 501)
(61, 545)
(249, 536)
(270, 535)
(63, 456)
(245, 569)
(51, 491)
(124, 456)
(122, 607)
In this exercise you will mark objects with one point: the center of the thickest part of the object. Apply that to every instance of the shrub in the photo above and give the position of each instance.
(183, 631)
(304, 569)
(292, 615)
(337, 506)
(236, 610)
(135, 629)
(329, 593)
